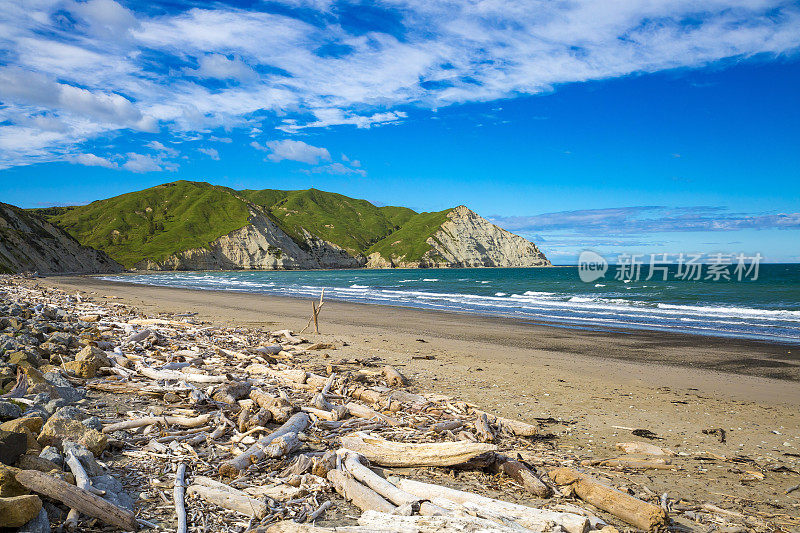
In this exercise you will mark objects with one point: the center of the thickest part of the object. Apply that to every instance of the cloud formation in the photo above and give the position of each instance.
(638, 220)
(74, 71)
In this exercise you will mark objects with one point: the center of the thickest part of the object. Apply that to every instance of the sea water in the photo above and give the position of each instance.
(767, 308)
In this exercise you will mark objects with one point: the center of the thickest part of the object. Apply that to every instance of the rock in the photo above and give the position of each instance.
(33, 423)
(40, 524)
(83, 455)
(82, 369)
(25, 357)
(19, 510)
(93, 422)
(9, 411)
(94, 355)
(31, 444)
(34, 462)
(12, 445)
(52, 454)
(64, 388)
(62, 427)
(9, 486)
(115, 493)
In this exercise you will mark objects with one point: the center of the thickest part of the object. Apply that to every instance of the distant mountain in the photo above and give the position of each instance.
(28, 243)
(197, 226)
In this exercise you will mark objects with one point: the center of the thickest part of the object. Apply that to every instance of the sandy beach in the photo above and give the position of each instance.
(588, 388)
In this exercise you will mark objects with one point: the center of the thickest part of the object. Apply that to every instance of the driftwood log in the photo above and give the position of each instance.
(362, 496)
(521, 474)
(187, 422)
(362, 411)
(386, 489)
(296, 424)
(79, 499)
(625, 507)
(393, 377)
(530, 517)
(174, 375)
(227, 497)
(517, 427)
(400, 454)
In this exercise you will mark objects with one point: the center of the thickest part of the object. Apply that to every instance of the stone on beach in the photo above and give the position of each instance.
(17, 511)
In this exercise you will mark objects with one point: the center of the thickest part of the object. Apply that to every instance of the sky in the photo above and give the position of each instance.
(655, 126)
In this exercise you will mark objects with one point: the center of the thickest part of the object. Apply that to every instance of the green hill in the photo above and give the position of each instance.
(410, 241)
(347, 222)
(154, 223)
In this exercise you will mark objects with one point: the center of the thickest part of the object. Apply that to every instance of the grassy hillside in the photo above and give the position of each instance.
(350, 223)
(408, 242)
(154, 223)
(158, 222)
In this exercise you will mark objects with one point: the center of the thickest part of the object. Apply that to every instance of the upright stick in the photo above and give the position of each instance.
(178, 496)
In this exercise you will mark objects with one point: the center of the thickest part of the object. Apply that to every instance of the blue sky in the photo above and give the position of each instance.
(644, 127)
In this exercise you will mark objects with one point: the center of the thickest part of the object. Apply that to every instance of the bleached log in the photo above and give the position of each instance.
(387, 453)
(296, 424)
(228, 498)
(379, 522)
(362, 411)
(447, 425)
(188, 422)
(79, 499)
(81, 481)
(517, 427)
(287, 334)
(362, 497)
(174, 375)
(178, 496)
(386, 489)
(393, 377)
(373, 396)
(530, 517)
(625, 507)
(521, 474)
(644, 448)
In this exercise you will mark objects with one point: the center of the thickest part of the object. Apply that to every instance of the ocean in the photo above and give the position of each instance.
(767, 308)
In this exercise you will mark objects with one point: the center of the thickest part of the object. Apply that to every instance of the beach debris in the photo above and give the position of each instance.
(636, 512)
(717, 432)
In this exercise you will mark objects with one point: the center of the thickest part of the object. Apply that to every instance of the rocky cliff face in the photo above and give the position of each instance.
(29, 243)
(466, 239)
(260, 245)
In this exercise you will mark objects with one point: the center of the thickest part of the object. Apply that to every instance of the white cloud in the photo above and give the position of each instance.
(296, 151)
(220, 67)
(141, 163)
(91, 160)
(159, 147)
(210, 152)
(337, 168)
(96, 68)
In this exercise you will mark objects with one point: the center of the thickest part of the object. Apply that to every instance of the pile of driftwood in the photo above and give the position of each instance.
(247, 431)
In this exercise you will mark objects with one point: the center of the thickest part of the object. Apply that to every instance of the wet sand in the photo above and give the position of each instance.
(594, 383)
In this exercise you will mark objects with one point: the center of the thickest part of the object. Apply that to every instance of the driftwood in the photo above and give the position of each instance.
(362, 411)
(521, 474)
(174, 375)
(517, 427)
(393, 377)
(297, 423)
(379, 522)
(625, 507)
(362, 497)
(183, 421)
(79, 499)
(484, 430)
(178, 496)
(386, 489)
(530, 517)
(81, 481)
(644, 448)
(227, 497)
(400, 454)
(448, 425)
